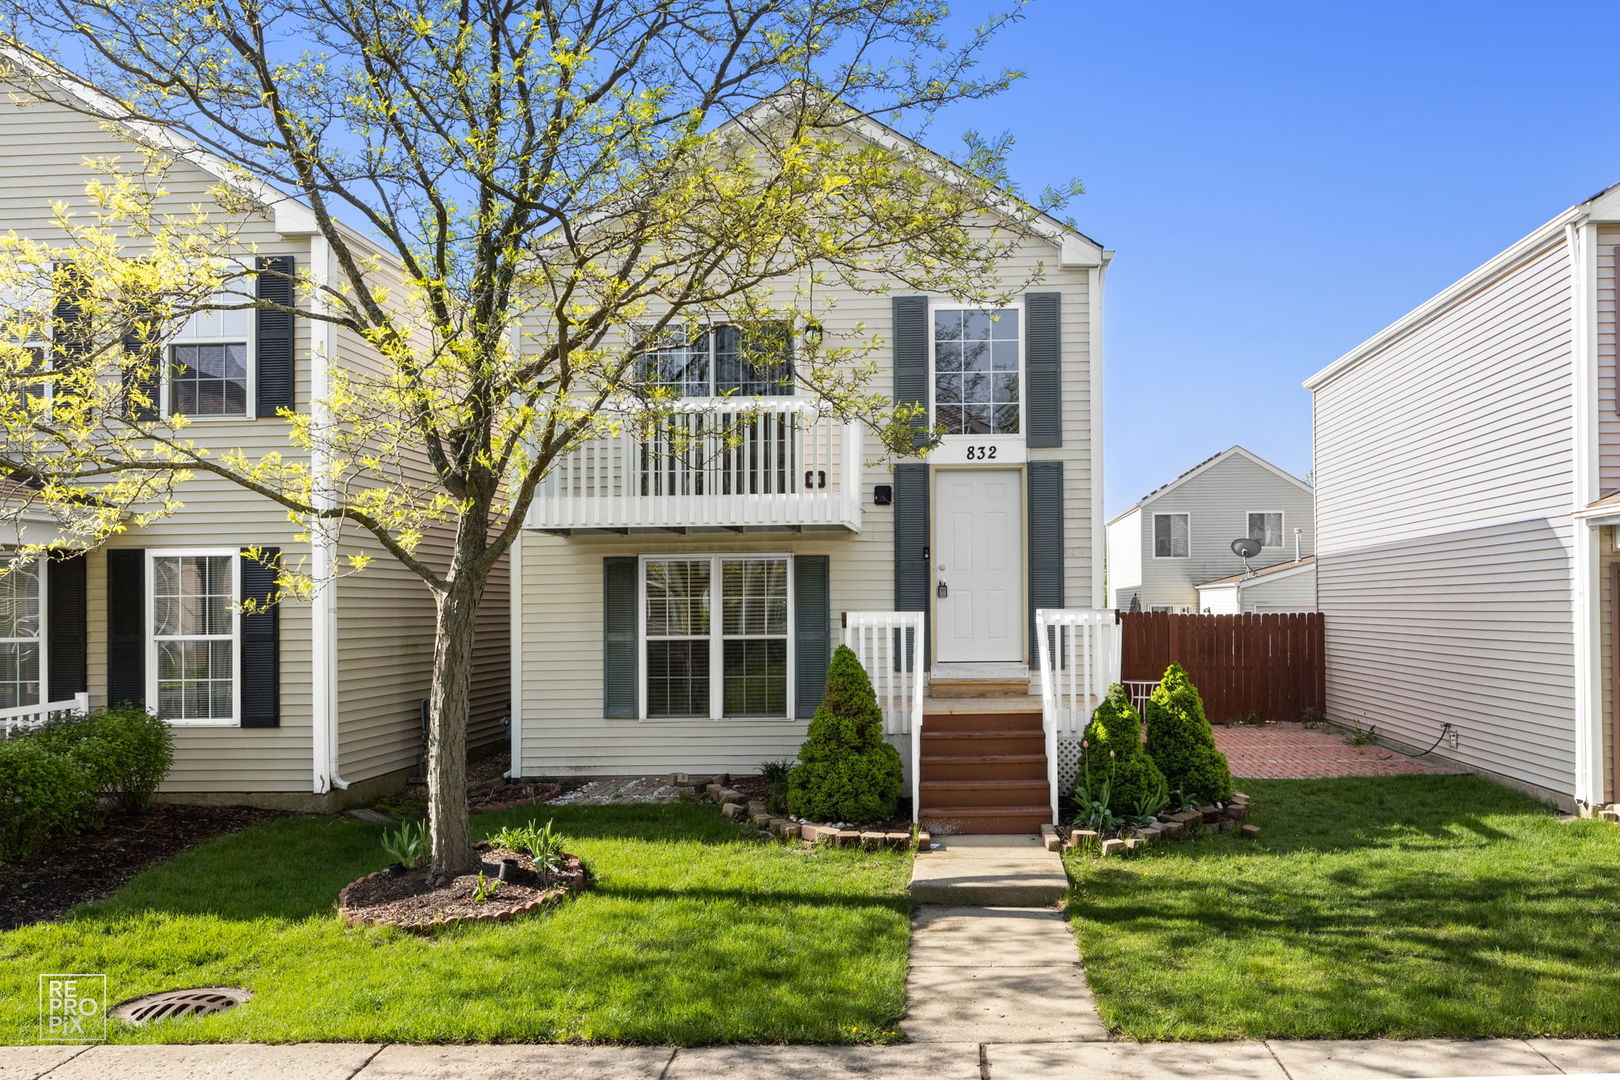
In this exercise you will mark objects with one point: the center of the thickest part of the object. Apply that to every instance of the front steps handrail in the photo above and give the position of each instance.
(1078, 650)
(889, 645)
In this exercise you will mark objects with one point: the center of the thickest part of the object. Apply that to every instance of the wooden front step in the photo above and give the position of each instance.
(983, 793)
(949, 820)
(978, 743)
(1011, 720)
(978, 688)
(985, 767)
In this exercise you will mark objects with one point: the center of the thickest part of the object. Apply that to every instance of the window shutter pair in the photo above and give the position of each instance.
(258, 696)
(621, 630)
(1043, 367)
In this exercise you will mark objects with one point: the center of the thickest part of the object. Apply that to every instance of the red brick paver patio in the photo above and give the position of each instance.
(1295, 752)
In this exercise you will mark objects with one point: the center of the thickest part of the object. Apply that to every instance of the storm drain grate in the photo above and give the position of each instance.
(173, 1003)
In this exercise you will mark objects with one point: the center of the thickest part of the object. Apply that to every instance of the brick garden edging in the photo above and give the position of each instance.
(1218, 817)
(572, 881)
(736, 806)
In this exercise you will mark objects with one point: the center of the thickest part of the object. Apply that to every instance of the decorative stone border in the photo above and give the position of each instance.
(739, 808)
(572, 882)
(1218, 817)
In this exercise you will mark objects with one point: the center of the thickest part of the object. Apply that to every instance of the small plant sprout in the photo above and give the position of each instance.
(485, 889)
(543, 843)
(408, 844)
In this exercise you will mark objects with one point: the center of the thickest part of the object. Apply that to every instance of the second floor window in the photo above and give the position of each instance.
(208, 380)
(976, 371)
(722, 361)
(1169, 536)
(1266, 528)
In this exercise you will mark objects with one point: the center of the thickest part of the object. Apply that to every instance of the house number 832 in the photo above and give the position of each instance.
(981, 453)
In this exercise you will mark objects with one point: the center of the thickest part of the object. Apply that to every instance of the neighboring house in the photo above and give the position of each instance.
(1179, 537)
(1467, 458)
(308, 705)
(1287, 586)
(618, 668)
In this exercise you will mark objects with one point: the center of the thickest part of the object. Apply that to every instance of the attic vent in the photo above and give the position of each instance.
(173, 1003)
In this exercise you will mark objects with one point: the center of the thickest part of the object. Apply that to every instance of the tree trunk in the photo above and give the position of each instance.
(448, 705)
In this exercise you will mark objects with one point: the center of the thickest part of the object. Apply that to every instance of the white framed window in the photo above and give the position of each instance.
(715, 636)
(22, 637)
(722, 360)
(1171, 536)
(1266, 526)
(210, 369)
(978, 365)
(194, 653)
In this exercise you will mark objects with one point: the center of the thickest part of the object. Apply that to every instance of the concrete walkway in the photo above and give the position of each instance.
(992, 958)
(964, 1060)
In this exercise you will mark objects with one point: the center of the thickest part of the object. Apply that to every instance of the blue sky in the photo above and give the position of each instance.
(1281, 180)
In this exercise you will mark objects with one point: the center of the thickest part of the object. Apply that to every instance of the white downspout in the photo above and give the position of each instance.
(1581, 237)
(323, 539)
(1099, 529)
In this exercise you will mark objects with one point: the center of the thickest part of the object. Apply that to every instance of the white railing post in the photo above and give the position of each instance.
(21, 718)
(889, 645)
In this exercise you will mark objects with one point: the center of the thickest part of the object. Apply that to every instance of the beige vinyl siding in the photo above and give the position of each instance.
(558, 596)
(1124, 559)
(46, 147)
(1217, 503)
(1608, 389)
(1444, 484)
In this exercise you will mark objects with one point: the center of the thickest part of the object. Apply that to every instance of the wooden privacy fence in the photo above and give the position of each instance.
(1269, 665)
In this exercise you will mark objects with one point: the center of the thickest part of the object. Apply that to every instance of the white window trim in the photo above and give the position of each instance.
(251, 382)
(717, 641)
(1015, 304)
(154, 554)
(1282, 529)
(43, 637)
(1153, 533)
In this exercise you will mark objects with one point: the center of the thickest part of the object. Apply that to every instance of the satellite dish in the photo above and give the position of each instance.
(1245, 547)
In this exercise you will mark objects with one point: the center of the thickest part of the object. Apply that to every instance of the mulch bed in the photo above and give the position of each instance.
(72, 870)
(409, 901)
(507, 796)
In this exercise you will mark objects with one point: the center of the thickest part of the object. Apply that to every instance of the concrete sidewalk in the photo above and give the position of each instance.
(1271, 1060)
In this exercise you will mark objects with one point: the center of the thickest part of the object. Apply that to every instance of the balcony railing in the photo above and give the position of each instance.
(735, 464)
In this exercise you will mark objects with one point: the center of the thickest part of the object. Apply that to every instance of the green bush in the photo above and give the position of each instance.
(127, 751)
(846, 772)
(41, 792)
(1181, 743)
(61, 777)
(1114, 755)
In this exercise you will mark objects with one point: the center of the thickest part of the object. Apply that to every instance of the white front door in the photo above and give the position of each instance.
(978, 566)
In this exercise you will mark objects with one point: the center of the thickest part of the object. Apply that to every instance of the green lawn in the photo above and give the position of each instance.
(1393, 906)
(691, 933)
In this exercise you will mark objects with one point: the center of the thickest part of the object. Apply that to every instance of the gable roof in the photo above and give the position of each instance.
(1205, 465)
(1075, 247)
(1282, 569)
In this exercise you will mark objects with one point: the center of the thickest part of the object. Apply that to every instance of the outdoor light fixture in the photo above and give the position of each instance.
(812, 333)
(883, 495)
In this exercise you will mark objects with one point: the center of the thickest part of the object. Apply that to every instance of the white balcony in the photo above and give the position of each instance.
(743, 464)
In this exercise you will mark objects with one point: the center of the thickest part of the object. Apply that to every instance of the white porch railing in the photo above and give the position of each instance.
(1139, 692)
(1078, 650)
(736, 463)
(20, 718)
(890, 647)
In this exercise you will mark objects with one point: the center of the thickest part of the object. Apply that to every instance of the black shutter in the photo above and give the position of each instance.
(912, 577)
(1045, 540)
(142, 370)
(260, 693)
(70, 336)
(911, 356)
(126, 627)
(1043, 369)
(812, 630)
(274, 346)
(65, 630)
(621, 685)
